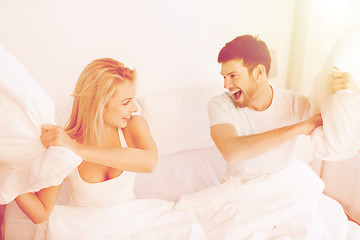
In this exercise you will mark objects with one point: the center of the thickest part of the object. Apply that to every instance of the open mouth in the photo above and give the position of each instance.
(127, 118)
(237, 95)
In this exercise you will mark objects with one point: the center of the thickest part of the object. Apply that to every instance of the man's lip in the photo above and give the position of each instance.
(237, 94)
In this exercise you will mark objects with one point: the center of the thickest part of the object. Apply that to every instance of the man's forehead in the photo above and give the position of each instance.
(231, 66)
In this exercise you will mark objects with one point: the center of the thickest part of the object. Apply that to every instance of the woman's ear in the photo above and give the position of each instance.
(259, 72)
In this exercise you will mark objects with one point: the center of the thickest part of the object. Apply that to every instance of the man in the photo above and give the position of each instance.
(268, 193)
(254, 118)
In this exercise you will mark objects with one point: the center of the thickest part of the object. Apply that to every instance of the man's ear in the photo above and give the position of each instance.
(259, 72)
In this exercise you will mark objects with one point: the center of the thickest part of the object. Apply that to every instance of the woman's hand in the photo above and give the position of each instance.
(342, 80)
(53, 135)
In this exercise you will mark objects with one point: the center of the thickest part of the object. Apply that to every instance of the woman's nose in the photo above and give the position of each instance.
(134, 107)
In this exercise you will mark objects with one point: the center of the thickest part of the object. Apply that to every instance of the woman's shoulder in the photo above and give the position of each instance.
(136, 121)
(135, 126)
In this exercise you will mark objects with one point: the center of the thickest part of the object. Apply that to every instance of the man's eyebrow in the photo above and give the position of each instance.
(227, 73)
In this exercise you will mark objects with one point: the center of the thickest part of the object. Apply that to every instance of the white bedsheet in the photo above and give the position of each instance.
(286, 205)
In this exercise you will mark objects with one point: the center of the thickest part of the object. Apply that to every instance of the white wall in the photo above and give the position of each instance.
(318, 25)
(172, 43)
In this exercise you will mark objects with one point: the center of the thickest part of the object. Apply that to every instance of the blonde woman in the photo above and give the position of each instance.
(114, 144)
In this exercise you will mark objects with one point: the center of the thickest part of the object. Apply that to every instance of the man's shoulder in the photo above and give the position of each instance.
(297, 102)
(289, 93)
(223, 98)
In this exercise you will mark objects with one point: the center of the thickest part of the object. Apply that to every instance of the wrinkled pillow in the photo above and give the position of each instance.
(339, 138)
(25, 164)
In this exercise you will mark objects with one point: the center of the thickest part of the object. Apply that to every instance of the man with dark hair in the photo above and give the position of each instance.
(268, 193)
(254, 117)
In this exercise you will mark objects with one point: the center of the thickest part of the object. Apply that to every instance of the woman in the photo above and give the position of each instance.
(113, 145)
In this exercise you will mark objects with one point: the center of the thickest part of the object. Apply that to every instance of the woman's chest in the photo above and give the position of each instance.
(95, 173)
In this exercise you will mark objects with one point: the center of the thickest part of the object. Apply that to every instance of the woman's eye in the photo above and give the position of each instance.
(126, 103)
(233, 76)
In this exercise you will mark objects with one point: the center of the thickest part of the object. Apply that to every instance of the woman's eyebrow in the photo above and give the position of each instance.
(126, 99)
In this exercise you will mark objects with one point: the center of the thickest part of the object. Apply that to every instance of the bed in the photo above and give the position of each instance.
(342, 178)
(188, 163)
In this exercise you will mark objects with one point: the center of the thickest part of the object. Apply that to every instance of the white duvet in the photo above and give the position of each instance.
(288, 204)
(25, 164)
(339, 138)
(143, 219)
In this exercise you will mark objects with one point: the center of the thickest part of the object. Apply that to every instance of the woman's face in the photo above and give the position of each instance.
(121, 106)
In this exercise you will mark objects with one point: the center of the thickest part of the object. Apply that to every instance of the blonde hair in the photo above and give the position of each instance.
(96, 85)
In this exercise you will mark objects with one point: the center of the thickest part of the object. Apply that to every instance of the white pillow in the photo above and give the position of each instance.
(25, 164)
(339, 139)
(178, 119)
(181, 173)
(345, 55)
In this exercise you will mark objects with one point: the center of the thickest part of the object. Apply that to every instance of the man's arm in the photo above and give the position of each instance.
(236, 148)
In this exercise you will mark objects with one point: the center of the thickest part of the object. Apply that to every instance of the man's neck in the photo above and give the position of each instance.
(265, 97)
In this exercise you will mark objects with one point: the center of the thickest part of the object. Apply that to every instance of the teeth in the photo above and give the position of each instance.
(237, 94)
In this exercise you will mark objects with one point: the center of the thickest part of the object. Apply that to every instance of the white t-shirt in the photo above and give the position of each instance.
(285, 109)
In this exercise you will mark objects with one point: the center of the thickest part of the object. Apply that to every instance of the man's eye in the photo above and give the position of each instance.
(126, 103)
(233, 76)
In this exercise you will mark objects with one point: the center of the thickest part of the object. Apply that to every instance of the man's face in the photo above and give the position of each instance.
(239, 82)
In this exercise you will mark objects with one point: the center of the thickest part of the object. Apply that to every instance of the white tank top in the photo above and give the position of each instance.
(102, 194)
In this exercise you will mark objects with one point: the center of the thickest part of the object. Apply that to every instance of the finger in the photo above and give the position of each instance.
(345, 75)
(337, 69)
(47, 127)
(336, 89)
(335, 75)
(45, 142)
(339, 82)
(47, 137)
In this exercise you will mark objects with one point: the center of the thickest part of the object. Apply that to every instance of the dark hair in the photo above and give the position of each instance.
(248, 48)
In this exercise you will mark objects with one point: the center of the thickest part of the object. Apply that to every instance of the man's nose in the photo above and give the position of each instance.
(227, 83)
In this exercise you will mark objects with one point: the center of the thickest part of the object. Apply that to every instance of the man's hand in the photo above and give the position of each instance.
(342, 80)
(310, 124)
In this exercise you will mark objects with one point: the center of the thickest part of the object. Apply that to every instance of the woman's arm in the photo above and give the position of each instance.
(38, 206)
(140, 156)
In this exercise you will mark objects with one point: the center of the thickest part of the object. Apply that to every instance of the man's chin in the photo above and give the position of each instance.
(239, 104)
